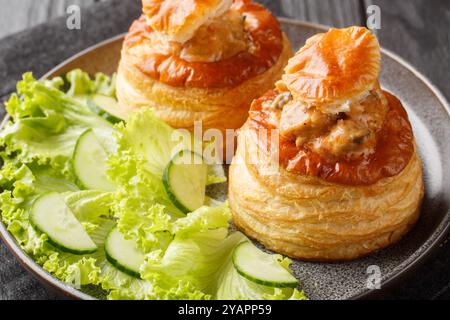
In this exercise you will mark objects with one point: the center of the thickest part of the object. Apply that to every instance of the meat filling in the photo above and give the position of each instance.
(219, 39)
(332, 132)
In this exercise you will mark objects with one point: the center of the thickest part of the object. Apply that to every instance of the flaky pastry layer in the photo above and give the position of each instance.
(221, 108)
(308, 218)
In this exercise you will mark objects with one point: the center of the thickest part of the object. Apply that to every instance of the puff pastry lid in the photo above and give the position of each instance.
(179, 19)
(334, 66)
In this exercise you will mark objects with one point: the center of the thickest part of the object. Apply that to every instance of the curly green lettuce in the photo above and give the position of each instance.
(46, 122)
(186, 256)
(36, 147)
(21, 185)
(204, 234)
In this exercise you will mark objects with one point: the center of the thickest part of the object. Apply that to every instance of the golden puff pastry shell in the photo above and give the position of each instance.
(309, 218)
(221, 108)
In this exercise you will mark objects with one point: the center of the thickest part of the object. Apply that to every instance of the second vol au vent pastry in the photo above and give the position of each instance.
(206, 61)
(347, 179)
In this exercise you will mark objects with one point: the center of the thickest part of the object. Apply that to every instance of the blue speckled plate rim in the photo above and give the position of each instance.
(409, 265)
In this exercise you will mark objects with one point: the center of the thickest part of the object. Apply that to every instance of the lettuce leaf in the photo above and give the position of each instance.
(37, 145)
(81, 84)
(142, 206)
(121, 286)
(145, 147)
(200, 255)
(232, 286)
(90, 206)
(46, 124)
(187, 256)
(21, 185)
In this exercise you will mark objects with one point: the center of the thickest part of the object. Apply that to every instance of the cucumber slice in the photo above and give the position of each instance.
(261, 268)
(89, 163)
(185, 180)
(107, 108)
(50, 215)
(123, 254)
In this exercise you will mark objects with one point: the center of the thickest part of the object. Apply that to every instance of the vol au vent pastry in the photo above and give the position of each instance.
(201, 60)
(347, 179)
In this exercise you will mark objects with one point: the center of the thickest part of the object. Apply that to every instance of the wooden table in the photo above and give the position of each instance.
(417, 30)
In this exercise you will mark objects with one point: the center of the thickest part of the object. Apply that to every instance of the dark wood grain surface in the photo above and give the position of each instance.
(417, 30)
(339, 13)
(18, 15)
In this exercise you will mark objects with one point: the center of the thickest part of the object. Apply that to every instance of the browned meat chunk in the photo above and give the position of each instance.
(303, 122)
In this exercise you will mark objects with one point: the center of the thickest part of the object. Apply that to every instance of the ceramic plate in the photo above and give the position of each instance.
(430, 117)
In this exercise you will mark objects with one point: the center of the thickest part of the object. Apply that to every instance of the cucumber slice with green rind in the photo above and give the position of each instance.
(89, 163)
(261, 268)
(107, 108)
(50, 215)
(123, 254)
(185, 180)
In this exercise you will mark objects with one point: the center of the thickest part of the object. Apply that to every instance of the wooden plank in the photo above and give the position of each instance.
(18, 15)
(329, 12)
(21, 14)
(48, 44)
(418, 31)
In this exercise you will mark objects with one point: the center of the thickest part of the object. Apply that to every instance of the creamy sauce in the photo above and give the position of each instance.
(347, 130)
(392, 145)
(220, 39)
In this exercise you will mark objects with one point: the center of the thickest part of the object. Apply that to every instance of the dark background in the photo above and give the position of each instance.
(33, 36)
